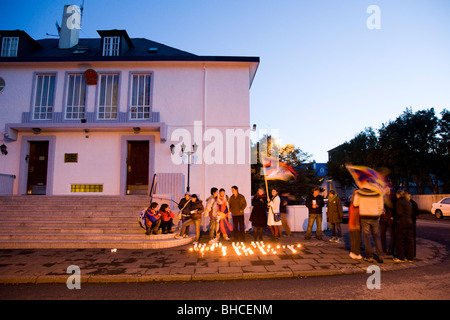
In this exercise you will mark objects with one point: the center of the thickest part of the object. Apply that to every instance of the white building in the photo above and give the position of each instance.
(98, 116)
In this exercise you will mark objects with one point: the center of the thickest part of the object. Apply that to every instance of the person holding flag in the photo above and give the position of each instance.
(274, 217)
(275, 170)
(369, 198)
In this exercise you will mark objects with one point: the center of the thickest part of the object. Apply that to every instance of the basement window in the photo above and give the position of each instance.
(86, 188)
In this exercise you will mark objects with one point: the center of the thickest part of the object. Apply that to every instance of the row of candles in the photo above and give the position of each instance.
(240, 248)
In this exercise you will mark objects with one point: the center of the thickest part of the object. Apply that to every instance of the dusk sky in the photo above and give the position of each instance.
(324, 75)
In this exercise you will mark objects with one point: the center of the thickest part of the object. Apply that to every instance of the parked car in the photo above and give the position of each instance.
(441, 208)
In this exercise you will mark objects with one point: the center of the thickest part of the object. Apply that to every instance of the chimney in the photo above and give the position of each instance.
(70, 25)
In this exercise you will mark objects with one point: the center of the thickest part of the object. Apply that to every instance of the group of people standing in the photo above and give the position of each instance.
(218, 208)
(221, 209)
(269, 211)
(374, 216)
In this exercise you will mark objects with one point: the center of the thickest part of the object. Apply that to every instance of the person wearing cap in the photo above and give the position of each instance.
(195, 214)
(183, 205)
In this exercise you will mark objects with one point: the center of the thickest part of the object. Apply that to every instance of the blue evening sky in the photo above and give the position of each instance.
(324, 75)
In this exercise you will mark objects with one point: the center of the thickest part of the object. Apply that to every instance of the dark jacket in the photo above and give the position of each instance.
(284, 201)
(259, 216)
(237, 205)
(403, 212)
(319, 202)
(335, 212)
(196, 206)
(182, 204)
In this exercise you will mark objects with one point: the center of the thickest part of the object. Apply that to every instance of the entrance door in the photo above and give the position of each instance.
(37, 167)
(137, 167)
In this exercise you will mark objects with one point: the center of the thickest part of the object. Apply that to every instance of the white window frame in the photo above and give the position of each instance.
(75, 97)
(10, 46)
(108, 96)
(111, 46)
(44, 96)
(140, 96)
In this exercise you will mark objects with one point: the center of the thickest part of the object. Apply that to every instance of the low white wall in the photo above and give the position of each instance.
(297, 217)
(425, 201)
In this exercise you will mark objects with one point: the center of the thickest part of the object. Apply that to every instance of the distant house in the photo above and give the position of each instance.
(103, 115)
(327, 183)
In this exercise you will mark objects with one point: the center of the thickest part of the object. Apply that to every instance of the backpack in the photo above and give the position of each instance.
(142, 218)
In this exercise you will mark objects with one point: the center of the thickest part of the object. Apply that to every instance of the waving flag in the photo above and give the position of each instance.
(277, 170)
(368, 178)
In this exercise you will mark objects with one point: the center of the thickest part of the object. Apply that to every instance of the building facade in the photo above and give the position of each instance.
(104, 115)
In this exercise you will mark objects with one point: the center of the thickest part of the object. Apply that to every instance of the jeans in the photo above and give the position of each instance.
(355, 241)
(238, 228)
(311, 218)
(387, 226)
(186, 225)
(404, 241)
(285, 224)
(334, 227)
(369, 226)
(214, 228)
(153, 228)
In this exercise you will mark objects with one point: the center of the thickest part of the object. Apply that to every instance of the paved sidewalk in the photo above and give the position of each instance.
(186, 263)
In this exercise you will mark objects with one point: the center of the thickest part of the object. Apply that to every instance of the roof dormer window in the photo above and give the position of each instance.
(111, 46)
(115, 43)
(10, 46)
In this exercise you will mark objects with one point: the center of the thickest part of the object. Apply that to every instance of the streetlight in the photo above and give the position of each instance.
(189, 154)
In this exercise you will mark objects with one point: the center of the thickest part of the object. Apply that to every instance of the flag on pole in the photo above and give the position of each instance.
(368, 178)
(277, 170)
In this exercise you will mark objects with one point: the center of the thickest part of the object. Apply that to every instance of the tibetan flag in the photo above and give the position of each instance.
(368, 178)
(277, 170)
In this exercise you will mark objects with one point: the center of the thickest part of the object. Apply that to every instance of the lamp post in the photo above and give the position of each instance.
(189, 154)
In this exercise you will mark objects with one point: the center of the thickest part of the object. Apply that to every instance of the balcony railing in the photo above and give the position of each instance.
(90, 117)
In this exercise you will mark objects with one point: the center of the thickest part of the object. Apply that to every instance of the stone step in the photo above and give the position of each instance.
(77, 222)
(71, 212)
(85, 236)
(99, 244)
(65, 208)
(75, 201)
(72, 224)
(72, 197)
(77, 217)
(69, 230)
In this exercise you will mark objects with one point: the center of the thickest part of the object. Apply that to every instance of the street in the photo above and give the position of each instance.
(421, 283)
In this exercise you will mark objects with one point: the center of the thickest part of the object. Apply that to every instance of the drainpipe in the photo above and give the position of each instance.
(205, 191)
